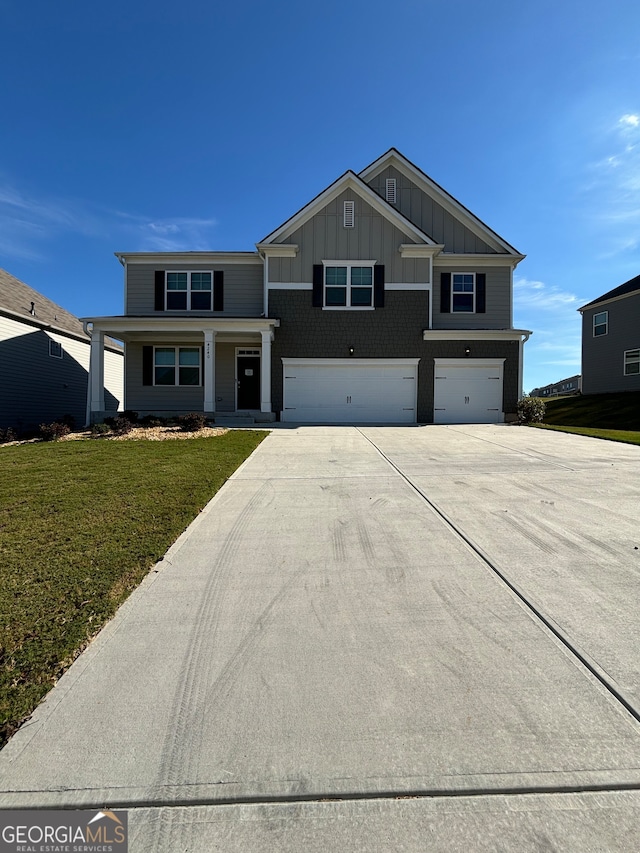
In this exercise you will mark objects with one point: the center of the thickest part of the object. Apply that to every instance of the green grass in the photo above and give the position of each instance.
(626, 436)
(597, 411)
(81, 523)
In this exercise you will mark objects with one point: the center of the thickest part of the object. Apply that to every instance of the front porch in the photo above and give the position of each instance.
(219, 367)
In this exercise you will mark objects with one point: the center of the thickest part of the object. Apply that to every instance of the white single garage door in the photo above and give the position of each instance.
(468, 391)
(354, 390)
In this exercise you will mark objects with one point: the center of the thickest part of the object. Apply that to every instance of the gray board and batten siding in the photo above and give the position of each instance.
(394, 331)
(603, 356)
(243, 288)
(324, 238)
(430, 216)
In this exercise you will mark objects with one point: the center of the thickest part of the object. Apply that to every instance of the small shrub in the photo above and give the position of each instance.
(120, 426)
(130, 415)
(53, 431)
(152, 421)
(69, 420)
(192, 422)
(7, 434)
(100, 429)
(531, 410)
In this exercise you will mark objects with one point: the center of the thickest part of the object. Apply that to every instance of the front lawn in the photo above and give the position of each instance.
(626, 436)
(81, 523)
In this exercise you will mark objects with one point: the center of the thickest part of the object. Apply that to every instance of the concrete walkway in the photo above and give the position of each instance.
(372, 639)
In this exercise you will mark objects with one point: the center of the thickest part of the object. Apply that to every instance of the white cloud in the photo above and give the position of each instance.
(630, 120)
(175, 235)
(28, 224)
(543, 297)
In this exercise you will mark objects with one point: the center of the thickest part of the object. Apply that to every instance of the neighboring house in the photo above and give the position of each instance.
(611, 340)
(44, 353)
(382, 300)
(572, 385)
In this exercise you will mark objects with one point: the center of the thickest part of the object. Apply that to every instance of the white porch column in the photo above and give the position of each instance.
(96, 373)
(209, 377)
(265, 371)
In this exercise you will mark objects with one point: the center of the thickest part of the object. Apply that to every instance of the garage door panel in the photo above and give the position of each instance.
(366, 392)
(468, 393)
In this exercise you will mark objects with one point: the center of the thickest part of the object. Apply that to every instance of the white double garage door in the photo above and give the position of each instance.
(374, 390)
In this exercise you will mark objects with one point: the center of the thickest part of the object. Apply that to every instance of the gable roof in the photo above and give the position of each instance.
(353, 182)
(625, 289)
(17, 299)
(394, 158)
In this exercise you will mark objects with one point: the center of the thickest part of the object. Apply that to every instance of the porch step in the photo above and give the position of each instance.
(234, 420)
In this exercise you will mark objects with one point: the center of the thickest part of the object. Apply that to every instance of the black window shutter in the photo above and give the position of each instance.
(378, 285)
(445, 293)
(318, 282)
(147, 365)
(481, 293)
(218, 290)
(159, 300)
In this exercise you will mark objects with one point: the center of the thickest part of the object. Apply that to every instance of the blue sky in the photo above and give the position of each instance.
(134, 126)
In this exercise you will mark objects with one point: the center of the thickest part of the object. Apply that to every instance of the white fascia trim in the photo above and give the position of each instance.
(445, 259)
(352, 182)
(594, 305)
(476, 334)
(415, 250)
(122, 325)
(475, 362)
(409, 286)
(278, 250)
(382, 362)
(188, 258)
(447, 201)
(290, 285)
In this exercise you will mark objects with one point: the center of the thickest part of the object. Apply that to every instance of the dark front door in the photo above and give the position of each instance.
(248, 382)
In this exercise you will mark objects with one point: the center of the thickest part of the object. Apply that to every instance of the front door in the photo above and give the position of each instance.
(248, 368)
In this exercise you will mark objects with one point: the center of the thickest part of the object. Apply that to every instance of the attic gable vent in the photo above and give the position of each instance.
(349, 214)
(390, 190)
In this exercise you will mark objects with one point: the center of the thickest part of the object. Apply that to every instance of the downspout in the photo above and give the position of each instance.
(87, 331)
(521, 344)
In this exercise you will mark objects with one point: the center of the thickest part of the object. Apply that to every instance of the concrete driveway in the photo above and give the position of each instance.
(372, 639)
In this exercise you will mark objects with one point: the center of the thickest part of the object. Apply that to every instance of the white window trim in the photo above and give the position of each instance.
(349, 265)
(55, 348)
(625, 363)
(188, 291)
(176, 365)
(605, 324)
(453, 275)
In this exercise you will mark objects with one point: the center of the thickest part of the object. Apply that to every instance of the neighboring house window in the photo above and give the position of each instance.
(390, 190)
(55, 348)
(188, 291)
(463, 291)
(600, 324)
(632, 362)
(349, 214)
(176, 366)
(348, 286)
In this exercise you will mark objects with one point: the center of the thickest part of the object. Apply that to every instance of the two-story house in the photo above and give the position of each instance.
(382, 300)
(611, 340)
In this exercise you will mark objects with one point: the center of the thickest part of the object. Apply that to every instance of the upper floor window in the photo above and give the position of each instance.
(348, 286)
(55, 348)
(176, 366)
(600, 324)
(463, 291)
(632, 362)
(188, 291)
